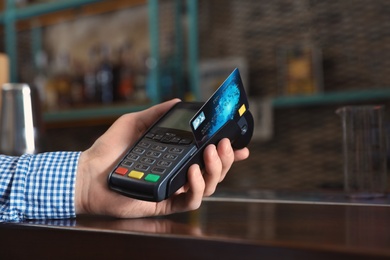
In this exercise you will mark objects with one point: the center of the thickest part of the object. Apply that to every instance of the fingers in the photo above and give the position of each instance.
(226, 155)
(241, 154)
(213, 169)
(196, 187)
(218, 161)
(192, 197)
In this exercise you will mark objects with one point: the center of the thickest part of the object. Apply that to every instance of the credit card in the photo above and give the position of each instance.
(229, 102)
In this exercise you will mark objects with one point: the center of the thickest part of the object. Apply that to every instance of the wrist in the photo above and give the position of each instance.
(81, 185)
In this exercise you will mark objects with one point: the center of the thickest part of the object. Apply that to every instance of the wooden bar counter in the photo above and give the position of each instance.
(222, 228)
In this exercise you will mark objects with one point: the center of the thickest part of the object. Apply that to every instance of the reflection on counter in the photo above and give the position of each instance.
(298, 196)
(225, 229)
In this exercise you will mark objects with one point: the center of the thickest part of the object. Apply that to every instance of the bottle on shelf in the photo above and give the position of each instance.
(77, 84)
(104, 77)
(126, 82)
(41, 77)
(58, 86)
(90, 80)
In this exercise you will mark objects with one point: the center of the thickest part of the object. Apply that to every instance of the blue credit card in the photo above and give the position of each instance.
(229, 102)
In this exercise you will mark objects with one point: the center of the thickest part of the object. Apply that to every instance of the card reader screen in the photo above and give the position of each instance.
(178, 119)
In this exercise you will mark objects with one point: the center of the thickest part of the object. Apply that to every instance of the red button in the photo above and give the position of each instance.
(121, 170)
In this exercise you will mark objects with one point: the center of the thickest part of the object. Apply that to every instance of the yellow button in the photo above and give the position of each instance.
(136, 174)
(242, 110)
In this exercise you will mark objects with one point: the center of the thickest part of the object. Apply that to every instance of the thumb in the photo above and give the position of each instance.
(149, 116)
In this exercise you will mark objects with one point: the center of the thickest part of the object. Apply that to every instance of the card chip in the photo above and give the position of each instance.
(242, 110)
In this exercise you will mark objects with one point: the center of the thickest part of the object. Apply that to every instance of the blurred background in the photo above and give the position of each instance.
(300, 60)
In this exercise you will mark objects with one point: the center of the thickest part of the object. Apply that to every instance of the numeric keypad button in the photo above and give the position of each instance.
(159, 148)
(149, 135)
(185, 141)
(158, 170)
(176, 150)
(170, 156)
(164, 163)
(157, 137)
(138, 150)
(142, 167)
(133, 157)
(153, 154)
(166, 139)
(127, 163)
(148, 160)
(144, 144)
(175, 140)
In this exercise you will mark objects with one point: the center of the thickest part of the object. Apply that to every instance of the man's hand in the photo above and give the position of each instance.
(92, 195)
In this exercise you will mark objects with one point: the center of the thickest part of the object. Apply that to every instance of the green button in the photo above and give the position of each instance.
(152, 177)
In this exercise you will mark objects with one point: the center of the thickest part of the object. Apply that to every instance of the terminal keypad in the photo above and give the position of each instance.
(156, 154)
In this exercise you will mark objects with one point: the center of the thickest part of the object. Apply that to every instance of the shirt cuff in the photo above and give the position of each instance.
(50, 185)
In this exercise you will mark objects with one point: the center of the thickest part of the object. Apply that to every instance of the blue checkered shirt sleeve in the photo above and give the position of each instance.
(39, 186)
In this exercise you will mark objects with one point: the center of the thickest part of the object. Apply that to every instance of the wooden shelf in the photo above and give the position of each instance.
(90, 116)
(51, 13)
(106, 114)
(75, 13)
(332, 98)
